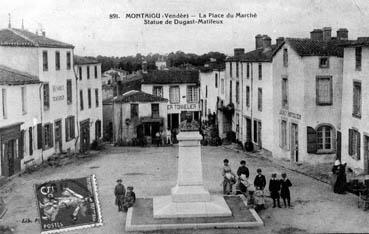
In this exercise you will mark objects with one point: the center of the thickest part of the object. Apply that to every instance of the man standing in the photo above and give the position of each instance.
(119, 193)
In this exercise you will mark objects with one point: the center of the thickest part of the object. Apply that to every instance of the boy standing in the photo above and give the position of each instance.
(259, 181)
(243, 169)
(274, 188)
(119, 193)
(228, 178)
(285, 190)
(129, 199)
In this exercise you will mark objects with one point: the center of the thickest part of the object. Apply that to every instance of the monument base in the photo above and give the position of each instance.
(165, 207)
(190, 194)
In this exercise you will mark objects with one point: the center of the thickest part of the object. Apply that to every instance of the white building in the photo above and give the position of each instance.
(20, 112)
(355, 100)
(51, 61)
(307, 85)
(113, 75)
(138, 115)
(180, 87)
(89, 86)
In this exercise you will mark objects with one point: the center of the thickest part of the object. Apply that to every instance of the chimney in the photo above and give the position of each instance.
(342, 34)
(43, 33)
(279, 40)
(267, 42)
(316, 34)
(327, 33)
(258, 41)
(239, 51)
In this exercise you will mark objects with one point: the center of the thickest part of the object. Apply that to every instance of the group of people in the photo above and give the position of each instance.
(165, 137)
(255, 191)
(124, 199)
(339, 177)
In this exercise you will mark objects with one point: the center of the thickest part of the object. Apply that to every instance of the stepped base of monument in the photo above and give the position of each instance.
(140, 217)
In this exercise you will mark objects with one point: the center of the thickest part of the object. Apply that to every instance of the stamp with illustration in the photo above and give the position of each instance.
(68, 204)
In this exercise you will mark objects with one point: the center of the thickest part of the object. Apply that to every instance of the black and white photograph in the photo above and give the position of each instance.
(184, 116)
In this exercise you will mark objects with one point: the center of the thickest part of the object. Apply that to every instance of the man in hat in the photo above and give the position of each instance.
(119, 193)
(274, 188)
(129, 199)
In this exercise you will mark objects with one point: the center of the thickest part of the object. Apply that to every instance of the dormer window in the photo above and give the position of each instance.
(323, 62)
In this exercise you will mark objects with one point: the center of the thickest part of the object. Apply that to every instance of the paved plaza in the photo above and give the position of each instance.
(153, 171)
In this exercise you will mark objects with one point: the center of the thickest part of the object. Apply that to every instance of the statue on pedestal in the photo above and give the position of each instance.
(189, 124)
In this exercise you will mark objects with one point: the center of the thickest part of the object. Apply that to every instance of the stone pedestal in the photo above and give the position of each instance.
(189, 198)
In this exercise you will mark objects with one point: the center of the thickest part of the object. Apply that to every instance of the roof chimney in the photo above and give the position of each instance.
(267, 42)
(316, 34)
(239, 51)
(342, 34)
(258, 41)
(327, 33)
(279, 40)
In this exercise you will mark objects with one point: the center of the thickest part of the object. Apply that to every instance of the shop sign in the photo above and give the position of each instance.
(58, 89)
(289, 114)
(183, 107)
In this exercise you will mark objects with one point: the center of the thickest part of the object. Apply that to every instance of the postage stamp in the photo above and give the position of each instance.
(68, 204)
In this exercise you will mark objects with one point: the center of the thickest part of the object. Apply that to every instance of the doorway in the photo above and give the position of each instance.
(294, 143)
(248, 130)
(339, 137)
(85, 135)
(58, 136)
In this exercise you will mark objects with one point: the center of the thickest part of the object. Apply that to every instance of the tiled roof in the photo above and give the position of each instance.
(173, 76)
(9, 76)
(361, 41)
(138, 96)
(258, 55)
(19, 37)
(79, 60)
(212, 67)
(308, 47)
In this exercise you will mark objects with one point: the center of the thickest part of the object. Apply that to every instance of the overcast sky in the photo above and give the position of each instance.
(86, 23)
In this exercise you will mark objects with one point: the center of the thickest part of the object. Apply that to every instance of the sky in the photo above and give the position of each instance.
(86, 23)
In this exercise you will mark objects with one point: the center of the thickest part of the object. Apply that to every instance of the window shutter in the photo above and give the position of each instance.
(20, 145)
(72, 131)
(311, 140)
(39, 136)
(51, 136)
(358, 146)
(350, 138)
(280, 134)
(67, 131)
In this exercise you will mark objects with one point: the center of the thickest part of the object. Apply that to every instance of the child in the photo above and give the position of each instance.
(259, 199)
(259, 181)
(119, 193)
(229, 178)
(274, 187)
(129, 199)
(285, 191)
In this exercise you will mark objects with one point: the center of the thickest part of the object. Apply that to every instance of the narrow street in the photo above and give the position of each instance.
(152, 171)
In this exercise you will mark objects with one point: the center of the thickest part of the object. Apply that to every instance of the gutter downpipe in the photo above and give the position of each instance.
(41, 119)
(77, 110)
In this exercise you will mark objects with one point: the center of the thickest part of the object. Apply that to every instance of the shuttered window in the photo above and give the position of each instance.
(260, 99)
(39, 136)
(97, 97)
(46, 96)
(237, 92)
(260, 66)
(57, 60)
(174, 94)
(69, 128)
(354, 144)
(311, 140)
(324, 91)
(192, 94)
(45, 64)
(89, 98)
(248, 70)
(155, 110)
(30, 140)
(358, 51)
(248, 96)
(95, 72)
(356, 109)
(48, 136)
(324, 138)
(68, 61)
(69, 92)
(81, 99)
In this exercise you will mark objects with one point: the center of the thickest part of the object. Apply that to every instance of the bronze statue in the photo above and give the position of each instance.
(189, 124)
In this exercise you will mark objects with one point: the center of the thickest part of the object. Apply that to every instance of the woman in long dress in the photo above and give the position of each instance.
(340, 185)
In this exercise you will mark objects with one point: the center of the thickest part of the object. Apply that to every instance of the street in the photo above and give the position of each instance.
(152, 171)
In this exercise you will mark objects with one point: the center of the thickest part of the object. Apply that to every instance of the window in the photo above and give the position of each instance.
(69, 128)
(216, 80)
(89, 97)
(230, 91)
(155, 110)
(95, 72)
(158, 91)
(30, 140)
(206, 91)
(285, 92)
(260, 71)
(356, 110)
(283, 136)
(97, 129)
(324, 92)
(354, 144)
(81, 99)
(237, 124)
(174, 94)
(324, 62)
(260, 99)
(324, 138)
(69, 92)
(88, 72)
(237, 69)
(248, 70)
(222, 86)
(230, 69)
(68, 61)
(48, 136)
(134, 111)
(285, 57)
(257, 132)
(39, 136)
(24, 100)
(57, 60)
(45, 65)
(237, 92)
(192, 94)
(80, 72)
(97, 97)
(358, 58)
(46, 96)
(3, 103)
(248, 96)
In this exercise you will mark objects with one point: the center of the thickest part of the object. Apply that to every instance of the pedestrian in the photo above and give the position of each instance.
(119, 193)
(274, 188)
(229, 178)
(259, 181)
(243, 169)
(285, 190)
(340, 185)
(129, 198)
(259, 184)
(242, 181)
(158, 138)
(169, 136)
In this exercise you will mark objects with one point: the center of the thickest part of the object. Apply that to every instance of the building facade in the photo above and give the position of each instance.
(180, 87)
(89, 101)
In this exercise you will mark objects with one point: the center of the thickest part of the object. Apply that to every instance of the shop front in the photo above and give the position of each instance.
(177, 113)
(11, 149)
(148, 127)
